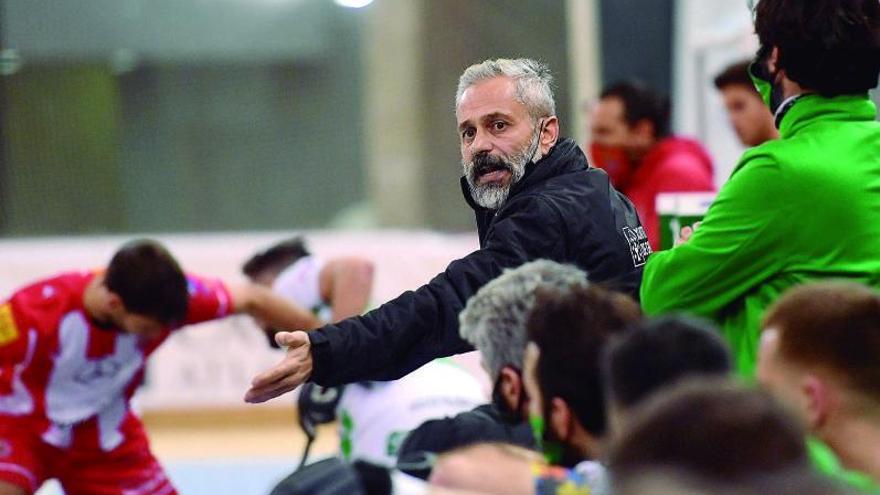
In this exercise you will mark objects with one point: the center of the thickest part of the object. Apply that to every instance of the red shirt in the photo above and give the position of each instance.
(62, 371)
(672, 165)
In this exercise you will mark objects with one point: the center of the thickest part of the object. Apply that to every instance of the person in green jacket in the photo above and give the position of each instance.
(803, 207)
(819, 355)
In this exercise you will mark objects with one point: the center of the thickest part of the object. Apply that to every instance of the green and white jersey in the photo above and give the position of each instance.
(375, 417)
(300, 283)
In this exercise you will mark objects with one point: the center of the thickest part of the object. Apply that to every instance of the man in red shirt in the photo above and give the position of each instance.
(630, 140)
(72, 354)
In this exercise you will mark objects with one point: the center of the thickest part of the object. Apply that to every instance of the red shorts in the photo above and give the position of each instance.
(27, 461)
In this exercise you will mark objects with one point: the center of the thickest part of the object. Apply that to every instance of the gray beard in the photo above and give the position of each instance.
(493, 196)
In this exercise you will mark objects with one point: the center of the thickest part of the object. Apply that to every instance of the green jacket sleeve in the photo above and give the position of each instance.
(739, 244)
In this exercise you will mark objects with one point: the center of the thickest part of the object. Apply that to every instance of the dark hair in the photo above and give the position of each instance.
(713, 429)
(570, 329)
(149, 281)
(798, 480)
(276, 258)
(656, 353)
(641, 103)
(833, 325)
(735, 75)
(828, 46)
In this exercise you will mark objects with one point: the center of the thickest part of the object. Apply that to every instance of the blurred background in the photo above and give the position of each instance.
(189, 115)
(221, 126)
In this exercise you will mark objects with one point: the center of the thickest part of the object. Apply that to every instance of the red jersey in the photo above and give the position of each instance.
(70, 378)
(672, 165)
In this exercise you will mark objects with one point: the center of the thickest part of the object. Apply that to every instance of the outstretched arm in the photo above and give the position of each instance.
(270, 309)
(346, 283)
(417, 326)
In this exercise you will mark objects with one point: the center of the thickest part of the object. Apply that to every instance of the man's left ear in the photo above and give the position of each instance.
(549, 134)
(818, 401)
(773, 59)
(560, 418)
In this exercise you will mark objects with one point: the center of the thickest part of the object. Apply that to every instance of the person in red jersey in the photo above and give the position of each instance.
(72, 354)
(630, 139)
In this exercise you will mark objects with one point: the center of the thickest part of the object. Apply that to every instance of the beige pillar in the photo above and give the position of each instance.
(394, 138)
(585, 65)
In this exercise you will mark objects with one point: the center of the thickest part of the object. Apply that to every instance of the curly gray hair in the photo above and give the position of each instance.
(533, 82)
(494, 319)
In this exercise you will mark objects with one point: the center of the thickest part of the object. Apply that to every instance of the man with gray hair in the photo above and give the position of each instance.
(534, 196)
(494, 322)
(532, 89)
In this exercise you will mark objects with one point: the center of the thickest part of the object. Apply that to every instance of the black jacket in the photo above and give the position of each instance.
(437, 436)
(561, 210)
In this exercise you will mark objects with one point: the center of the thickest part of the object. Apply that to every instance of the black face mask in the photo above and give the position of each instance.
(765, 81)
(556, 450)
(508, 414)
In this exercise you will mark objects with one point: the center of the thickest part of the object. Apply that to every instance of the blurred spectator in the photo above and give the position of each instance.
(374, 417)
(801, 207)
(567, 331)
(655, 354)
(820, 354)
(711, 429)
(494, 322)
(749, 116)
(666, 481)
(631, 141)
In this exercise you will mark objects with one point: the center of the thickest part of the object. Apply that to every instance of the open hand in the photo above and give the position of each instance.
(285, 376)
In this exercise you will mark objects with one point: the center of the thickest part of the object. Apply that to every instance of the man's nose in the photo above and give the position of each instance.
(482, 142)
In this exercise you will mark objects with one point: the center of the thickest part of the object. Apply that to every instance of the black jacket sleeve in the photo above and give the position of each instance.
(421, 325)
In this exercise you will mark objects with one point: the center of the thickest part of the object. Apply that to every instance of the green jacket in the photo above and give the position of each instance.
(827, 463)
(803, 207)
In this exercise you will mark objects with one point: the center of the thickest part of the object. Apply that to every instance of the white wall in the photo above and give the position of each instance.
(709, 35)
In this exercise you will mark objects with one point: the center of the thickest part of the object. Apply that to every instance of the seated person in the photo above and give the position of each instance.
(566, 332)
(667, 481)
(655, 354)
(712, 429)
(819, 355)
(494, 322)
